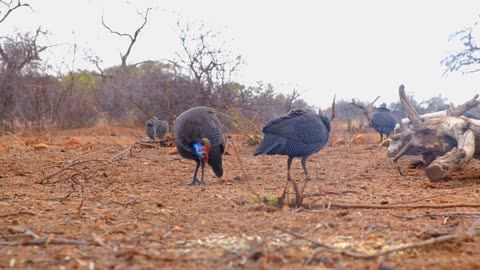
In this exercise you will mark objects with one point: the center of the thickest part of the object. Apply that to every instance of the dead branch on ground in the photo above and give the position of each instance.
(121, 154)
(387, 206)
(458, 236)
(66, 166)
(447, 143)
(147, 144)
(440, 214)
(17, 213)
(43, 240)
(71, 165)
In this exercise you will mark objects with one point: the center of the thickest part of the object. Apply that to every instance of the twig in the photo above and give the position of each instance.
(43, 240)
(426, 198)
(9, 133)
(441, 214)
(314, 254)
(399, 170)
(119, 145)
(79, 208)
(147, 144)
(381, 206)
(65, 167)
(323, 192)
(244, 173)
(301, 209)
(119, 155)
(98, 240)
(68, 166)
(444, 238)
(17, 213)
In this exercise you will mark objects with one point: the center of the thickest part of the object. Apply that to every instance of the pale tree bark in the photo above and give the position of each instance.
(447, 143)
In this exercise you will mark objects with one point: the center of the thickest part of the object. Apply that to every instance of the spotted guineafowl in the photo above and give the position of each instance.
(383, 121)
(299, 133)
(198, 136)
(156, 129)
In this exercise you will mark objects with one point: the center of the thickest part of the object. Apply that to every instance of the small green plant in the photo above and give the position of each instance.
(269, 199)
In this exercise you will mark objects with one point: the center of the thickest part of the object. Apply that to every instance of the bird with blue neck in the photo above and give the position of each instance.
(201, 151)
(199, 137)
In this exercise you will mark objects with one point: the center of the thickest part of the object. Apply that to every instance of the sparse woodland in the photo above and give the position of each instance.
(99, 195)
(34, 95)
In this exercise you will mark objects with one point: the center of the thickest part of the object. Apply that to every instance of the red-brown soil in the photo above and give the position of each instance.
(137, 212)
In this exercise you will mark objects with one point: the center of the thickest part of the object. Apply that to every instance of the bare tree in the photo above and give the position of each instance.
(133, 38)
(16, 53)
(291, 99)
(209, 63)
(468, 57)
(367, 110)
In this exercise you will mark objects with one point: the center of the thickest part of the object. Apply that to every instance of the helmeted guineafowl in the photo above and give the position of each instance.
(383, 121)
(156, 129)
(198, 136)
(299, 133)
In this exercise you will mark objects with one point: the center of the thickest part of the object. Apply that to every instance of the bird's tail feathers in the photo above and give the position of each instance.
(270, 145)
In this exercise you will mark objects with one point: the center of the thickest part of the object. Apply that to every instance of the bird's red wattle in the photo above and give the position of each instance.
(204, 149)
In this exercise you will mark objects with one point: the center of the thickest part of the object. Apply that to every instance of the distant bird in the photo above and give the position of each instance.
(383, 121)
(198, 136)
(471, 115)
(156, 129)
(299, 133)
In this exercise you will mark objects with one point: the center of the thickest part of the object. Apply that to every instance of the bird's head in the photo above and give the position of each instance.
(202, 150)
(325, 119)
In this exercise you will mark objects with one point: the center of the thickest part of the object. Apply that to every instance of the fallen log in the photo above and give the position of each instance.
(446, 142)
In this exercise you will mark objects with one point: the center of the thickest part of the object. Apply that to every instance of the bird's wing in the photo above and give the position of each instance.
(279, 124)
(297, 125)
(383, 119)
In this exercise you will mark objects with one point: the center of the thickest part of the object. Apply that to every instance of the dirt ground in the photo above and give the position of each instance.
(134, 211)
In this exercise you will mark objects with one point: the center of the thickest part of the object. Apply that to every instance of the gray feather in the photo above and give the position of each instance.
(193, 125)
(298, 133)
(383, 121)
(156, 129)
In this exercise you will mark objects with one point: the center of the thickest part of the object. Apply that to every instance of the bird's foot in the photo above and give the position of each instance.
(193, 183)
(202, 183)
(289, 178)
(308, 178)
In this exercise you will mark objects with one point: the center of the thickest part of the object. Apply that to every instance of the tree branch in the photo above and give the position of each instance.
(133, 38)
(11, 9)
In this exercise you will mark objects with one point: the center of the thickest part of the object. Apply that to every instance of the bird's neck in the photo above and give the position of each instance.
(200, 151)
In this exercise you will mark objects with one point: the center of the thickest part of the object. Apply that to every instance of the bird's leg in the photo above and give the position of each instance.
(202, 180)
(194, 178)
(381, 137)
(289, 163)
(304, 165)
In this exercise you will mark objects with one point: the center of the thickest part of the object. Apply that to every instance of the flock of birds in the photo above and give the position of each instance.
(297, 134)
